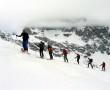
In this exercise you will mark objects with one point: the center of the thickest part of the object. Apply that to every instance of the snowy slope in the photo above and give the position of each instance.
(28, 72)
(61, 38)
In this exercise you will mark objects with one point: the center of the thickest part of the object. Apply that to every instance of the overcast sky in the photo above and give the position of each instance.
(18, 13)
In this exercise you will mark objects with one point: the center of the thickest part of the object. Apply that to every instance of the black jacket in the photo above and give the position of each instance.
(25, 36)
(41, 46)
(90, 60)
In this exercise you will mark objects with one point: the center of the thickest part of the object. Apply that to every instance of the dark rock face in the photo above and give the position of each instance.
(99, 35)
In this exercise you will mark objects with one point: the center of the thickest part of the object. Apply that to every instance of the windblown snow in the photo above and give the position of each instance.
(19, 71)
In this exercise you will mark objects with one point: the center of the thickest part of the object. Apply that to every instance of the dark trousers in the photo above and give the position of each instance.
(90, 64)
(78, 60)
(41, 53)
(103, 68)
(65, 58)
(25, 45)
(51, 55)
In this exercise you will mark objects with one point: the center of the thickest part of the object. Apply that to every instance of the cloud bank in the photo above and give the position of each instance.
(15, 14)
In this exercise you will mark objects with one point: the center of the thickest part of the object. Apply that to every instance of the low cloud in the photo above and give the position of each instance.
(16, 14)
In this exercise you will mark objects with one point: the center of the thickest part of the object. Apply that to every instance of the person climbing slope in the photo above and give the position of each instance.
(50, 50)
(25, 37)
(78, 57)
(41, 49)
(90, 62)
(103, 66)
(65, 55)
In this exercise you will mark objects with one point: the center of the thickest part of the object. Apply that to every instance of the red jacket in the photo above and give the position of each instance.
(65, 52)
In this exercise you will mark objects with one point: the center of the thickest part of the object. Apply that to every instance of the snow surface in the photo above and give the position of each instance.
(19, 71)
(61, 38)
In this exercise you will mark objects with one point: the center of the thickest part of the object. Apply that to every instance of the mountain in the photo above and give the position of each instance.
(86, 40)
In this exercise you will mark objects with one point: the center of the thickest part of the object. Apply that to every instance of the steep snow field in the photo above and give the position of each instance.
(19, 71)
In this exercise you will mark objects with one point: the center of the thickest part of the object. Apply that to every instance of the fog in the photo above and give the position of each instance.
(16, 14)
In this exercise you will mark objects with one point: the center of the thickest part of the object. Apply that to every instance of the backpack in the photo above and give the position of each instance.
(90, 60)
(78, 56)
(65, 52)
(50, 49)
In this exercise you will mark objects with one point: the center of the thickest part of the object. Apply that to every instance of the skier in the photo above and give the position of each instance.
(25, 37)
(78, 58)
(65, 55)
(41, 49)
(90, 62)
(50, 50)
(103, 66)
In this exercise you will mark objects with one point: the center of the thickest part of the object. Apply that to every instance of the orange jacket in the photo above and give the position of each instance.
(50, 49)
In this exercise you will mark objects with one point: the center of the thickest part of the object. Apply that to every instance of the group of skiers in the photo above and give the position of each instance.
(90, 60)
(41, 45)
